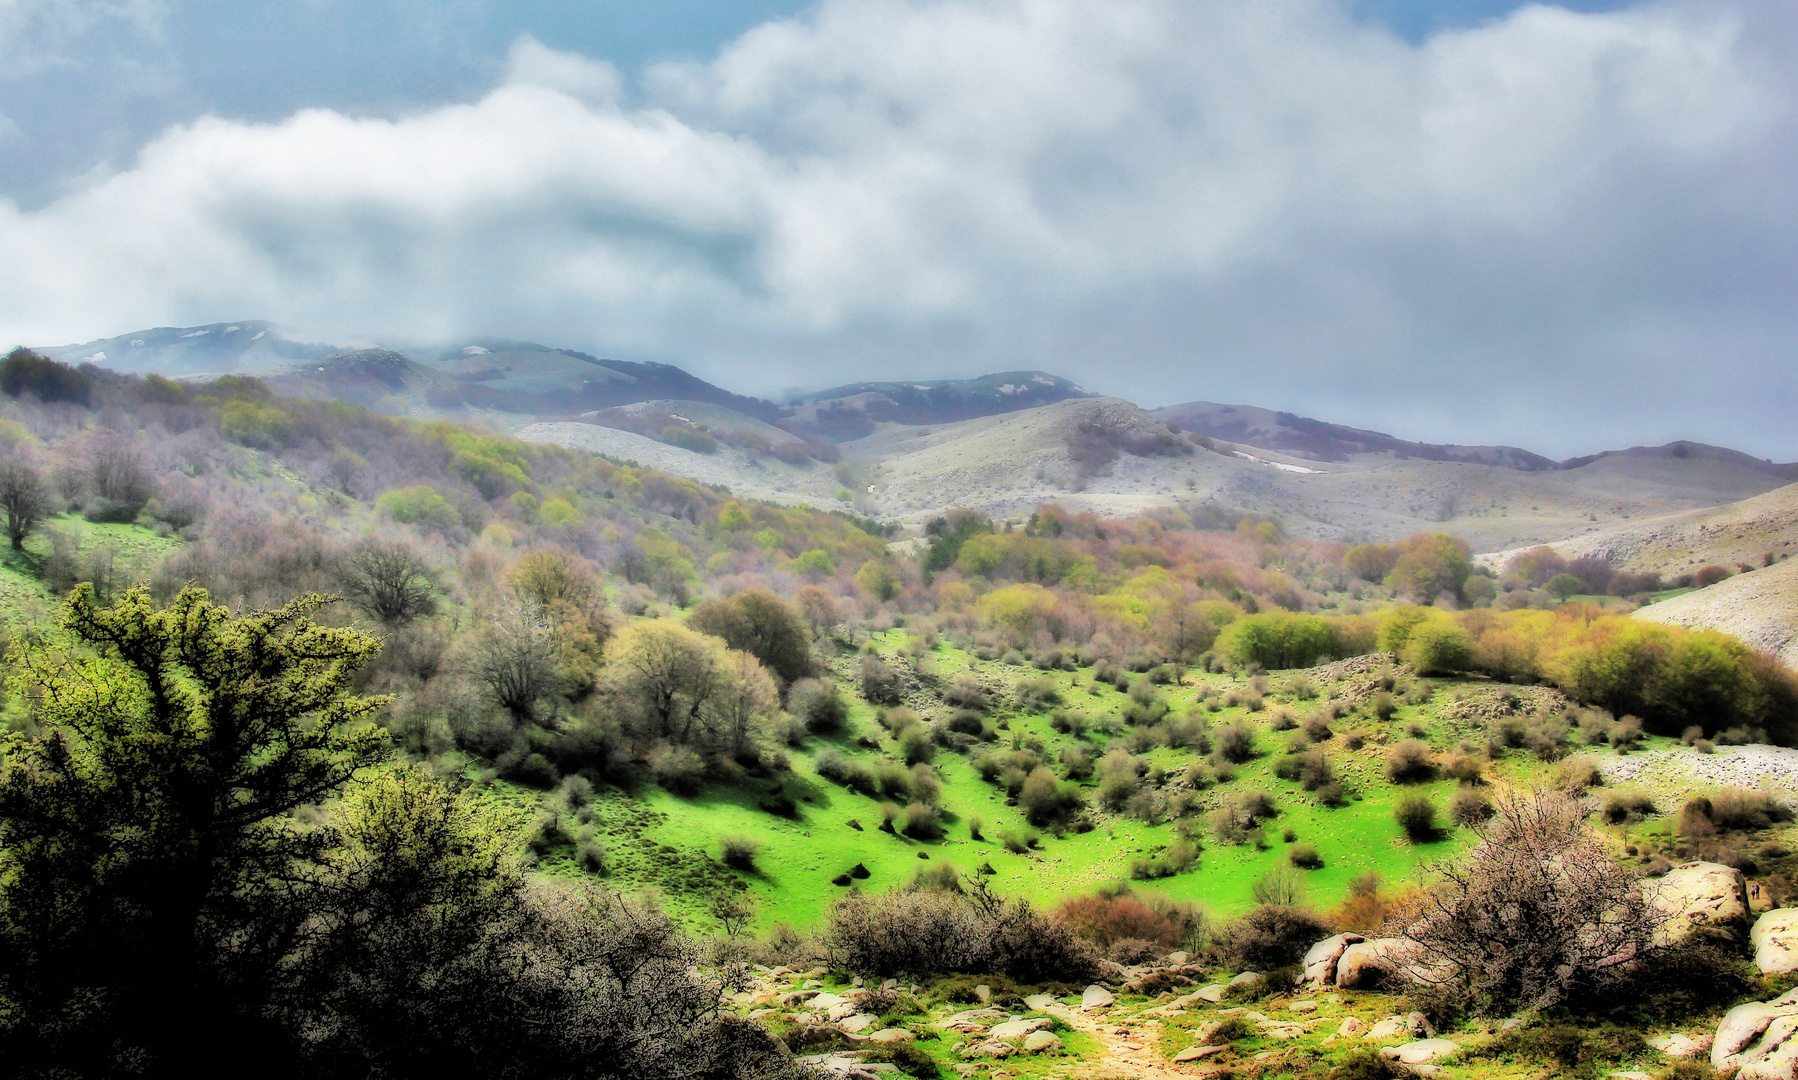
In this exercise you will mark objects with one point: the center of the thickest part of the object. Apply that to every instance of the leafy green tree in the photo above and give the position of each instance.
(24, 499)
(1430, 564)
(763, 625)
(1564, 585)
(146, 852)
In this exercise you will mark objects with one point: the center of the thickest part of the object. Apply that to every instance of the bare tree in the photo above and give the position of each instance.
(25, 499)
(1538, 914)
(388, 581)
(514, 657)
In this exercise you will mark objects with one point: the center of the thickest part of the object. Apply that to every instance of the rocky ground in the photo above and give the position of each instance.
(1674, 775)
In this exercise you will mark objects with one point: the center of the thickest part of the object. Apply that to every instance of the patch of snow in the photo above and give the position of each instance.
(137, 341)
(1044, 379)
(1011, 388)
(258, 334)
(919, 386)
(196, 333)
(474, 350)
(232, 329)
(97, 358)
(1281, 465)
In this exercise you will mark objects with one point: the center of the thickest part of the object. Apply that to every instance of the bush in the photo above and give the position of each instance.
(1236, 742)
(841, 769)
(1535, 915)
(922, 822)
(964, 691)
(1305, 857)
(739, 852)
(1117, 914)
(1269, 936)
(880, 683)
(1045, 800)
(1416, 815)
(928, 932)
(1469, 807)
(1626, 806)
(1409, 762)
(818, 705)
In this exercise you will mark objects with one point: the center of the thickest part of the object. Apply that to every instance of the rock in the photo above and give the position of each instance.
(1178, 959)
(1017, 1029)
(857, 1024)
(891, 1035)
(1042, 1042)
(984, 993)
(1303, 1006)
(1364, 965)
(1195, 1052)
(1320, 960)
(1038, 1002)
(797, 997)
(1631, 1076)
(1213, 993)
(1203, 1033)
(1758, 1040)
(979, 1016)
(1421, 1052)
(1700, 897)
(1678, 1045)
(842, 1011)
(1775, 941)
(1352, 1027)
(1247, 978)
(826, 1001)
(1097, 997)
(991, 1048)
(1390, 1028)
(810, 984)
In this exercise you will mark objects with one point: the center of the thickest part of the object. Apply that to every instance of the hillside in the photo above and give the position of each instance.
(853, 411)
(1761, 608)
(1006, 464)
(1321, 441)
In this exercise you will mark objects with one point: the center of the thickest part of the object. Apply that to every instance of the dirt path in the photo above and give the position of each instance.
(1130, 1055)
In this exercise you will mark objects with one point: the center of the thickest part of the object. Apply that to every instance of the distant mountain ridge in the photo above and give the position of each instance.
(509, 383)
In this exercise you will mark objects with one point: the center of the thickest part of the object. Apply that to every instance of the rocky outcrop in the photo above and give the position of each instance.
(1775, 941)
(1097, 997)
(1367, 964)
(1700, 898)
(1320, 961)
(1759, 1040)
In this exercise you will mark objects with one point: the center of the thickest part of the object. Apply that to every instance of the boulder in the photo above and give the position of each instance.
(1017, 1029)
(1097, 997)
(891, 1035)
(1320, 961)
(1700, 898)
(1213, 993)
(1178, 959)
(1247, 978)
(1679, 1045)
(1390, 1028)
(1042, 1042)
(1421, 1052)
(1352, 1027)
(857, 1024)
(1759, 1040)
(1038, 1002)
(1194, 1053)
(984, 993)
(1775, 941)
(825, 1002)
(990, 1048)
(1303, 1006)
(1364, 965)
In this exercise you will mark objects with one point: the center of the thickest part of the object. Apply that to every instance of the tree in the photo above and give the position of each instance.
(763, 625)
(24, 498)
(146, 852)
(744, 698)
(878, 579)
(819, 610)
(1430, 564)
(662, 673)
(550, 576)
(387, 581)
(514, 656)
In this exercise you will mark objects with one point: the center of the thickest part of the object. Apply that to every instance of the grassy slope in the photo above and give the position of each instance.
(799, 858)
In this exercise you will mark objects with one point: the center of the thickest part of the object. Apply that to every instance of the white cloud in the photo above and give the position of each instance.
(1164, 198)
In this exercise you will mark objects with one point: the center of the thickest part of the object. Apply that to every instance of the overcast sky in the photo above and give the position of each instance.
(1568, 228)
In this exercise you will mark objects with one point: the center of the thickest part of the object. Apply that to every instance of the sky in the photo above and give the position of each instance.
(1566, 227)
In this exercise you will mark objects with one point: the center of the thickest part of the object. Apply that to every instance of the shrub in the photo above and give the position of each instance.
(1416, 815)
(1044, 799)
(1017, 842)
(1305, 857)
(922, 822)
(817, 704)
(880, 683)
(927, 932)
(1116, 914)
(739, 852)
(1311, 769)
(964, 691)
(1236, 742)
(1469, 807)
(1626, 806)
(1269, 936)
(1037, 694)
(1409, 762)
(1535, 915)
(847, 771)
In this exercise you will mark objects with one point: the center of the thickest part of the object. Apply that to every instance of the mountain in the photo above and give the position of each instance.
(851, 412)
(1320, 441)
(175, 352)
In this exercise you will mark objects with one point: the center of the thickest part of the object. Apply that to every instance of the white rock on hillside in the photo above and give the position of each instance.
(1775, 941)
(1700, 896)
(1320, 960)
(1758, 1040)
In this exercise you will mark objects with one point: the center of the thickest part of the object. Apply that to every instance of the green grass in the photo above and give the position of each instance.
(798, 859)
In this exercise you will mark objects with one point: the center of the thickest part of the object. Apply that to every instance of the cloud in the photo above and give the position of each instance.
(1557, 228)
